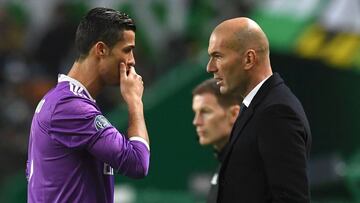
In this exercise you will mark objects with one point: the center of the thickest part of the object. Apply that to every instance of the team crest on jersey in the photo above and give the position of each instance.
(101, 122)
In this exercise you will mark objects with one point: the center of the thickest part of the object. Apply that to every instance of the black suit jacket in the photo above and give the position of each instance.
(266, 160)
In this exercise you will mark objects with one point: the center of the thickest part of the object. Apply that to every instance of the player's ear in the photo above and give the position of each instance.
(101, 49)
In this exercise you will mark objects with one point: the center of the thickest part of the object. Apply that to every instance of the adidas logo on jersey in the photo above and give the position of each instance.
(77, 90)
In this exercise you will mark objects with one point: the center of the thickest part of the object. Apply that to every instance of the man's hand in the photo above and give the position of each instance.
(132, 88)
(131, 84)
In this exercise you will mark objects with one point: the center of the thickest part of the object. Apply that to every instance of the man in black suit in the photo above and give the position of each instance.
(266, 160)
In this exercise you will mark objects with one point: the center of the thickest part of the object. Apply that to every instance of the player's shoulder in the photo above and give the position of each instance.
(69, 97)
(72, 88)
(72, 97)
(73, 103)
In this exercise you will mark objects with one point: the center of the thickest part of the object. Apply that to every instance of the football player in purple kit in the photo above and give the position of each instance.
(73, 149)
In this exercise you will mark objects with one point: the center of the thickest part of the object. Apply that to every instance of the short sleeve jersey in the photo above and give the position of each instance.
(74, 150)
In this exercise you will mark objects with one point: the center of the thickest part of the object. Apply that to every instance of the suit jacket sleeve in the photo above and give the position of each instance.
(282, 147)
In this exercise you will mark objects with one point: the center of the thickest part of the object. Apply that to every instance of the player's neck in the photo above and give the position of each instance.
(220, 145)
(84, 72)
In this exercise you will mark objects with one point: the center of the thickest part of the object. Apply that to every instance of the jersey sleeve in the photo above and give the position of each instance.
(77, 124)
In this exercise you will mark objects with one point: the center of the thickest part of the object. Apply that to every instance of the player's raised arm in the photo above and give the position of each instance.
(131, 88)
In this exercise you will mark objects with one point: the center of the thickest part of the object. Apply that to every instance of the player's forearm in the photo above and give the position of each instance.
(135, 162)
(137, 126)
(128, 157)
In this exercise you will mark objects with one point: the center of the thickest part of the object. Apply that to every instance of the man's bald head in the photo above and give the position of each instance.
(239, 55)
(243, 33)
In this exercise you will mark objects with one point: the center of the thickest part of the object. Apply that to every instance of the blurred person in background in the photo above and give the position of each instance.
(73, 149)
(215, 115)
(58, 36)
(267, 156)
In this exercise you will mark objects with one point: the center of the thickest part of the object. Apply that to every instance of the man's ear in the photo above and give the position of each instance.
(250, 59)
(101, 49)
(233, 113)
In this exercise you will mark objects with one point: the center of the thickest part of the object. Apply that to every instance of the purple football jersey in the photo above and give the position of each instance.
(74, 150)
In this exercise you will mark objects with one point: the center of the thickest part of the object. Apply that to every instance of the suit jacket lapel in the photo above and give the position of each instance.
(238, 126)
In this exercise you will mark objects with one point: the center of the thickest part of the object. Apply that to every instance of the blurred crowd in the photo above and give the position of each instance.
(37, 44)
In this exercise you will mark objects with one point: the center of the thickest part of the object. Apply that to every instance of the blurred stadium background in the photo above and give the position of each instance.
(315, 46)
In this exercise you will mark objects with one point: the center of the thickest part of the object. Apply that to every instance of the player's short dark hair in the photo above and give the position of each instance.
(101, 24)
(210, 86)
